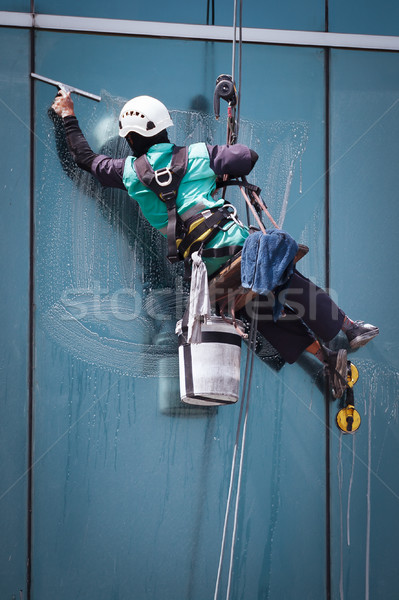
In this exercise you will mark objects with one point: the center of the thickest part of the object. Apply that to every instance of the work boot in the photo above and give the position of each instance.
(360, 333)
(337, 370)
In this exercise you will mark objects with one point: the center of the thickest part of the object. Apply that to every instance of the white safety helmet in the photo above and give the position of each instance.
(144, 115)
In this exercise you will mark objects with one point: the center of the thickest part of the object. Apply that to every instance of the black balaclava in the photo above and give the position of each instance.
(140, 145)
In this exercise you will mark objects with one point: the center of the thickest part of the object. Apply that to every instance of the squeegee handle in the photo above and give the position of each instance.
(66, 88)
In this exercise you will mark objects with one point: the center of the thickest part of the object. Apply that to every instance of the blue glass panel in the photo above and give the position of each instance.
(15, 5)
(308, 15)
(130, 486)
(365, 180)
(369, 17)
(14, 306)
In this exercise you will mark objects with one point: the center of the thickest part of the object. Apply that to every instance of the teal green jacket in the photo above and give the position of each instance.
(194, 195)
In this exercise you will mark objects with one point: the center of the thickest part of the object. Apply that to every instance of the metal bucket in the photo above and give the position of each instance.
(209, 372)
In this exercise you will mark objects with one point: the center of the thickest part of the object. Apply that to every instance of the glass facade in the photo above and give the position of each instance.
(15, 5)
(129, 487)
(308, 16)
(364, 180)
(369, 17)
(14, 312)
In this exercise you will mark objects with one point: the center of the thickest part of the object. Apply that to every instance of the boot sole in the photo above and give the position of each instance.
(363, 339)
(340, 377)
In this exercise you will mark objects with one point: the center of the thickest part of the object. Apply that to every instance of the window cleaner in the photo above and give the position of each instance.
(143, 123)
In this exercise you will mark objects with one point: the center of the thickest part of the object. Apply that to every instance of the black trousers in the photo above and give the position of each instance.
(308, 312)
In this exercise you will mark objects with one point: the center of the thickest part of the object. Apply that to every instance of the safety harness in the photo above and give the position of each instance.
(184, 236)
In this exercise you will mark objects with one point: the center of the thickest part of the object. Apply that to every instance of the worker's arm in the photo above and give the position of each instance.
(237, 160)
(108, 171)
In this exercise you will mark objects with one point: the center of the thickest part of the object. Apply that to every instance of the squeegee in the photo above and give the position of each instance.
(66, 88)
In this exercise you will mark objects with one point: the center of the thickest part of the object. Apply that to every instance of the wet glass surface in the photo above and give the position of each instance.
(364, 17)
(15, 5)
(139, 482)
(14, 306)
(364, 213)
(131, 486)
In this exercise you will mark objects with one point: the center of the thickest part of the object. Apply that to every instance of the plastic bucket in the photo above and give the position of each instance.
(209, 372)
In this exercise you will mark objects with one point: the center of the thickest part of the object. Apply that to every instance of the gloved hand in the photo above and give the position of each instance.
(63, 104)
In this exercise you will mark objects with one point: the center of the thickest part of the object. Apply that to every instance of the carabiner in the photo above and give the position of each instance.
(233, 215)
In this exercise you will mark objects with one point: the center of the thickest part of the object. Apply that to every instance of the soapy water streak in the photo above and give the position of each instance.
(348, 537)
(382, 383)
(108, 295)
(340, 477)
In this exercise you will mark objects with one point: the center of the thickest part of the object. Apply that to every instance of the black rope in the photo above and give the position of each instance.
(239, 71)
(234, 136)
(212, 6)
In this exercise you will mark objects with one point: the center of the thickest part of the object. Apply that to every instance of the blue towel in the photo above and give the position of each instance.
(267, 263)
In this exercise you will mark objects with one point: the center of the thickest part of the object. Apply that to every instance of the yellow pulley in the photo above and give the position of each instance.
(353, 375)
(348, 419)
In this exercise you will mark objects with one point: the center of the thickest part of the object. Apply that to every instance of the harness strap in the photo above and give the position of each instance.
(248, 186)
(165, 184)
(221, 252)
(204, 231)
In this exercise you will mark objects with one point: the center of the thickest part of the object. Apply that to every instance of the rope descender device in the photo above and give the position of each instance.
(226, 89)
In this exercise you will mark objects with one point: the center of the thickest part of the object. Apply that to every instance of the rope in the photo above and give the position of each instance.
(247, 389)
(245, 400)
(239, 70)
(233, 135)
(233, 57)
(264, 208)
(250, 206)
(212, 12)
(232, 132)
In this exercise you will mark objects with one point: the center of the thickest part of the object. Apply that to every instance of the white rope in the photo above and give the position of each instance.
(233, 537)
(245, 401)
(227, 511)
(248, 368)
(226, 517)
(244, 436)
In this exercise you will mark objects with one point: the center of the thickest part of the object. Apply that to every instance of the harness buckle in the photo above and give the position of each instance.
(160, 174)
(168, 196)
(174, 258)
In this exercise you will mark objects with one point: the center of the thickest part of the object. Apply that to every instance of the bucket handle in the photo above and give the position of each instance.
(236, 327)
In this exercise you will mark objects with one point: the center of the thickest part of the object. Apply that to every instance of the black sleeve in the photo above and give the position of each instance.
(108, 171)
(237, 160)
